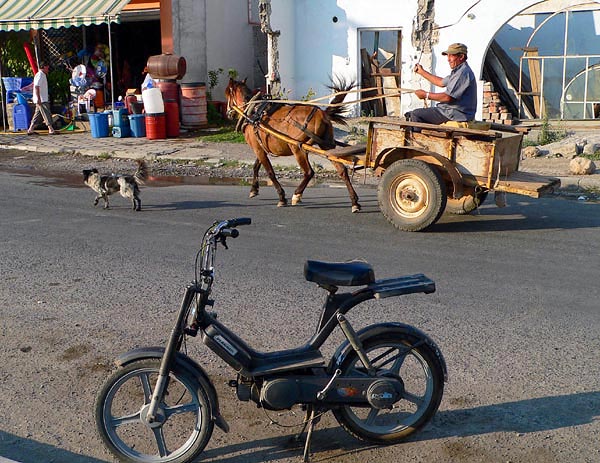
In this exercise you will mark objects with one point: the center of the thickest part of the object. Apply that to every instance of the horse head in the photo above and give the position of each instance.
(237, 95)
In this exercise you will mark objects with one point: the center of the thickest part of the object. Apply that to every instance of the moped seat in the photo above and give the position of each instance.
(353, 273)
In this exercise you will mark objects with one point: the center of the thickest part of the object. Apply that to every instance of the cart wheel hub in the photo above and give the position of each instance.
(411, 195)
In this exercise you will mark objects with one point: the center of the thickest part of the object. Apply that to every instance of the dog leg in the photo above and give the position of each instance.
(97, 200)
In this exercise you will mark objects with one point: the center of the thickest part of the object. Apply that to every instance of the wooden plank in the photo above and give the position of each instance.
(527, 183)
(535, 76)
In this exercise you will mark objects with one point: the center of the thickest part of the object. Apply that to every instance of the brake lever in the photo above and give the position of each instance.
(223, 241)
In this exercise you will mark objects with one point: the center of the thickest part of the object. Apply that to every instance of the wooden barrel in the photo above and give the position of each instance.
(193, 105)
(166, 66)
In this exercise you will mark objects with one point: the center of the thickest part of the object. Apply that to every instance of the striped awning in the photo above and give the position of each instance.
(16, 15)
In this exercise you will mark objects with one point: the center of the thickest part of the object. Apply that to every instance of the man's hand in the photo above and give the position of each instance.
(418, 69)
(421, 94)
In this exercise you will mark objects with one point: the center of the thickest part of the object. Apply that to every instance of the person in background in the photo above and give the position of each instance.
(459, 100)
(41, 100)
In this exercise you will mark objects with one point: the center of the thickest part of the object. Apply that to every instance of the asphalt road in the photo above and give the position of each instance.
(516, 314)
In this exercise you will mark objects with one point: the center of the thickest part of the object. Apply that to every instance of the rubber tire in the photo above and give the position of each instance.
(344, 414)
(200, 441)
(466, 204)
(415, 174)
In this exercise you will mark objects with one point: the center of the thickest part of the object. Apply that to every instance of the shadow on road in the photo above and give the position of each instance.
(30, 451)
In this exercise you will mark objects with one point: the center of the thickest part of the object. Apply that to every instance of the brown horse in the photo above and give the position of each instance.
(301, 122)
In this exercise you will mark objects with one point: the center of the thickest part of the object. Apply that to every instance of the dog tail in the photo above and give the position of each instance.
(141, 174)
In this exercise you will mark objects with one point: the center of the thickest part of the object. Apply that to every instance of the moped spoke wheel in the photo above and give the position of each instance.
(180, 429)
(402, 357)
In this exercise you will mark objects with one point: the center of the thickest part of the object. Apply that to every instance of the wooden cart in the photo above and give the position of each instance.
(428, 169)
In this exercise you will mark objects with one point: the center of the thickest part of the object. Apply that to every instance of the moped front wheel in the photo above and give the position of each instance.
(182, 426)
(404, 357)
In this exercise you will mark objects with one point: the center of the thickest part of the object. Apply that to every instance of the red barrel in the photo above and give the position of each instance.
(166, 66)
(156, 126)
(169, 89)
(172, 112)
(193, 105)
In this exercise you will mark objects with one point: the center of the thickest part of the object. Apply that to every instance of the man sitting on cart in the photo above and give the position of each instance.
(459, 101)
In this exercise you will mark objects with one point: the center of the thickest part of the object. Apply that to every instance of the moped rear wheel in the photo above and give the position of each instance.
(182, 427)
(395, 355)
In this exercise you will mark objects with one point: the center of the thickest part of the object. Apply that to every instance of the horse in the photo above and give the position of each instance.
(299, 124)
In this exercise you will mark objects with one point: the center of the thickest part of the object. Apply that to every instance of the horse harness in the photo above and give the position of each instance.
(266, 108)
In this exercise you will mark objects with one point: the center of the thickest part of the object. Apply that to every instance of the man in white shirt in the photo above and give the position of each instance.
(41, 100)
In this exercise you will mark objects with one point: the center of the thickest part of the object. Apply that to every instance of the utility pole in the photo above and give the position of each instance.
(273, 79)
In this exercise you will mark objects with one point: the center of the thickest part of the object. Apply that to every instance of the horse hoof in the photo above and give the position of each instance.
(356, 209)
(282, 204)
(253, 194)
(296, 199)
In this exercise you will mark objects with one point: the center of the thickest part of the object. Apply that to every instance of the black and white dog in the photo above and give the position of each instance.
(127, 185)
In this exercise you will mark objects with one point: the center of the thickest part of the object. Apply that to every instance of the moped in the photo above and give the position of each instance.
(382, 384)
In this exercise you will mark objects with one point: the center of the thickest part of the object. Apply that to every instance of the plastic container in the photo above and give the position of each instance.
(156, 126)
(172, 112)
(21, 117)
(193, 105)
(169, 89)
(99, 124)
(153, 101)
(166, 66)
(137, 125)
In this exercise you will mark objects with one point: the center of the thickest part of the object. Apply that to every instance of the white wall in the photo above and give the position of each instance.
(229, 42)
(210, 35)
(314, 47)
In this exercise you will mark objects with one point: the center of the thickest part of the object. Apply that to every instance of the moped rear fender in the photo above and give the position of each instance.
(184, 362)
(381, 328)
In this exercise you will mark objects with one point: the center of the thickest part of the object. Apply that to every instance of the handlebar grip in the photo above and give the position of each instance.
(230, 233)
(239, 221)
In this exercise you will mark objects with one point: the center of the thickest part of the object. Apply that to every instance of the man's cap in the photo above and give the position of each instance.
(455, 49)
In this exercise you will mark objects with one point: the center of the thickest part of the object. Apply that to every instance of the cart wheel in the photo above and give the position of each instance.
(412, 195)
(467, 204)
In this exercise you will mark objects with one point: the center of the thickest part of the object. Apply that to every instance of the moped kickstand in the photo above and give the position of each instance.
(310, 421)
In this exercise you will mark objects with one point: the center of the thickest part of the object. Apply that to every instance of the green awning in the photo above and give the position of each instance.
(16, 15)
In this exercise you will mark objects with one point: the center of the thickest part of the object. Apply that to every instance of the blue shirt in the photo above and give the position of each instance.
(461, 86)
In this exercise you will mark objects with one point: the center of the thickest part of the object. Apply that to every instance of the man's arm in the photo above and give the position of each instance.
(435, 80)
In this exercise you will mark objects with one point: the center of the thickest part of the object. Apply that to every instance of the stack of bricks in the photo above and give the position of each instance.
(492, 109)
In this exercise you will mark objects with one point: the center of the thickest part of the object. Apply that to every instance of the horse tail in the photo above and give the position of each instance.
(341, 87)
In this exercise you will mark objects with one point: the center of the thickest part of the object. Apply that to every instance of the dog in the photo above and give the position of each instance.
(127, 185)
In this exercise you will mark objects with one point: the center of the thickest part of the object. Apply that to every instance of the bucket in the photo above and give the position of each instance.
(193, 105)
(166, 66)
(137, 124)
(169, 89)
(153, 101)
(99, 124)
(172, 112)
(156, 126)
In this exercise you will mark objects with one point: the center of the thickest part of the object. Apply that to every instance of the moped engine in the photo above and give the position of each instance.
(384, 393)
(279, 394)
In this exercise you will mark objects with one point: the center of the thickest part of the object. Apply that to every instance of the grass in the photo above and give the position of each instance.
(224, 135)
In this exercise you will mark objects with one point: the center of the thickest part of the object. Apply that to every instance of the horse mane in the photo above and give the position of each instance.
(340, 86)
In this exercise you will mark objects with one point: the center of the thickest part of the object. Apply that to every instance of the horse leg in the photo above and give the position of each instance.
(302, 159)
(343, 173)
(254, 188)
(264, 160)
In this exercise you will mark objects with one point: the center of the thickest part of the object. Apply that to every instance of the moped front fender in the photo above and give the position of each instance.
(381, 328)
(184, 362)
